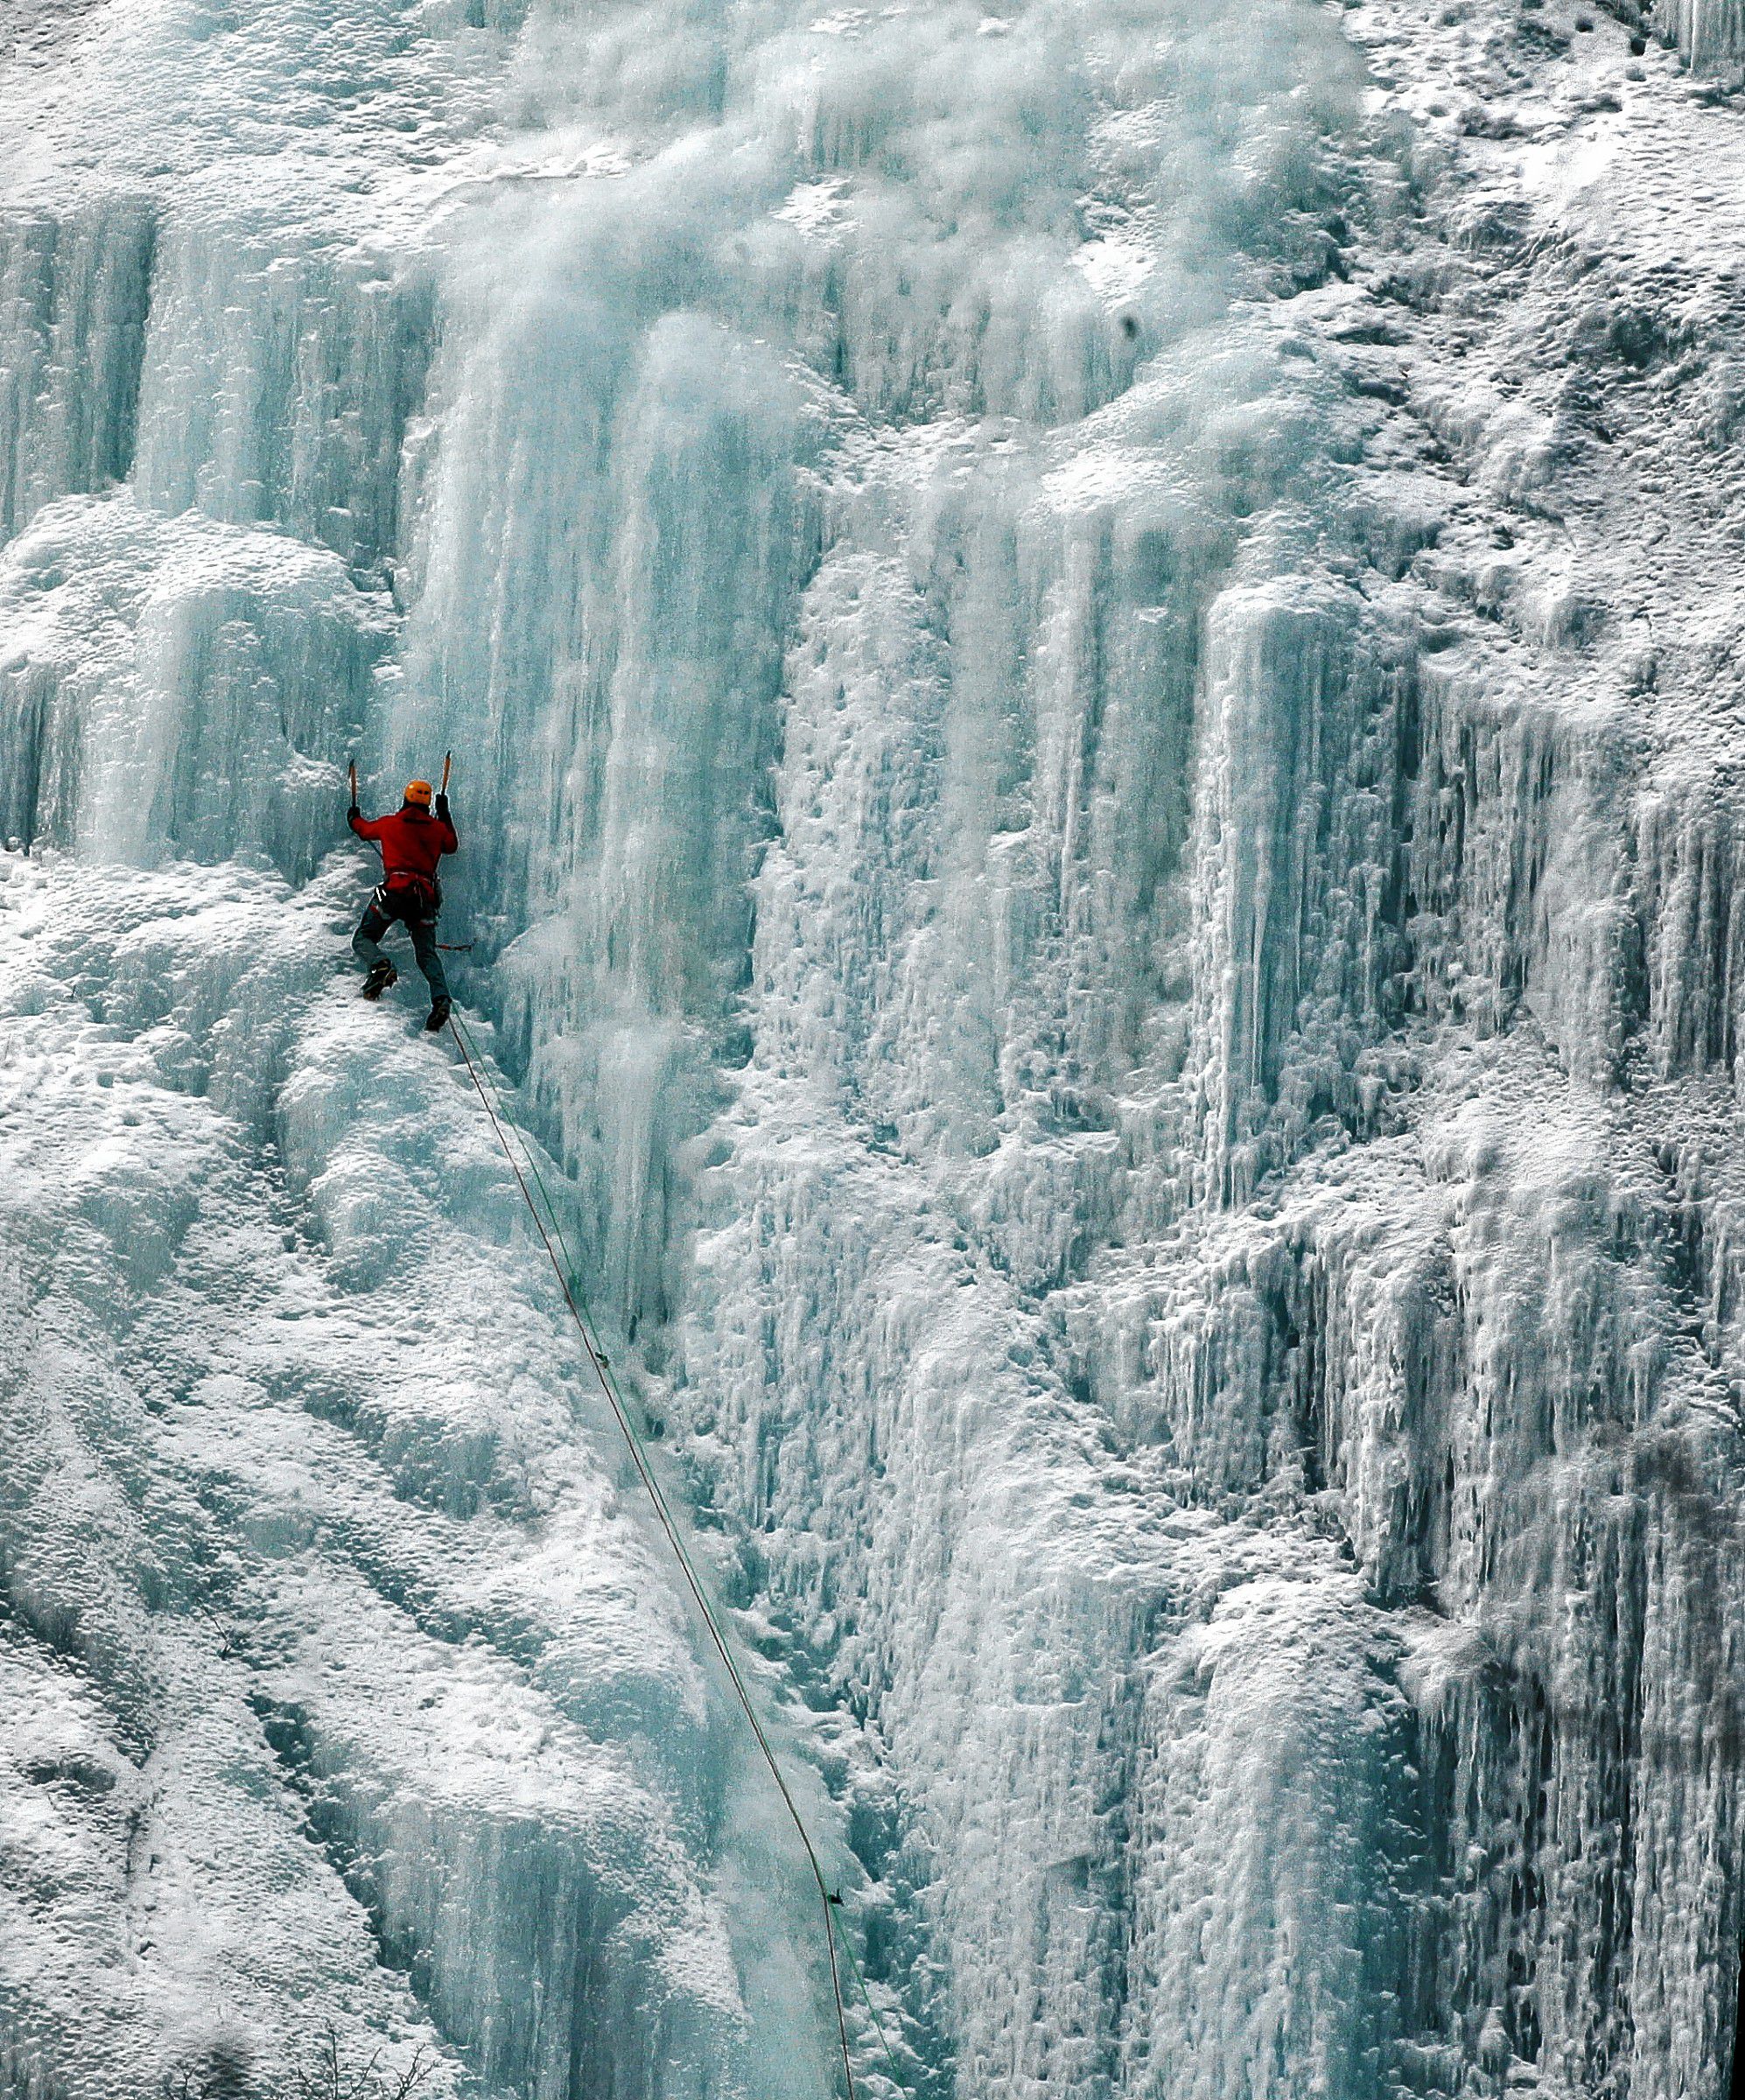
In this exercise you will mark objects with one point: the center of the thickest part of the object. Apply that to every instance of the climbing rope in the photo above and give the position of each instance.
(564, 1269)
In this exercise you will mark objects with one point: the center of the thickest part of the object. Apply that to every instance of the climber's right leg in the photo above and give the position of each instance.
(366, 947)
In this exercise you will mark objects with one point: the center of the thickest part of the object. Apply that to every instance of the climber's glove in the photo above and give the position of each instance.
(442, 807)
(354, 812)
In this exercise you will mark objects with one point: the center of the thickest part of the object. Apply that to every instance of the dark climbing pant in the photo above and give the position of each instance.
(378, 916)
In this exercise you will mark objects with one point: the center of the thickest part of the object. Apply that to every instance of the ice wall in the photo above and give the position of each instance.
(384, 1716)
(350, 1690)
(75, 289)
(1090, 654)
(178, 689)
(882, 285)
(1711, 33)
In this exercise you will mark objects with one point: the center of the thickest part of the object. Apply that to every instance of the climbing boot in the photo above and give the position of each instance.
(381, 974)
(438, 1015)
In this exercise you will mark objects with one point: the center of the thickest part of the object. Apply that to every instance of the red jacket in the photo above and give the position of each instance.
(411, 842)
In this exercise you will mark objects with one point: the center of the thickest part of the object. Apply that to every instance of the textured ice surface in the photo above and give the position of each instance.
(1093, 657)
(353, 1660)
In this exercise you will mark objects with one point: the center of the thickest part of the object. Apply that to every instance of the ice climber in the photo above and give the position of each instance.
(413, 842)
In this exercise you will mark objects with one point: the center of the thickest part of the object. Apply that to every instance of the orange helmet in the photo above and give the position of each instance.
(419, 794)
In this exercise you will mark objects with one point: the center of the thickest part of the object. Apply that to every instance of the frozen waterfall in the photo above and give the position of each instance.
(1093, 658)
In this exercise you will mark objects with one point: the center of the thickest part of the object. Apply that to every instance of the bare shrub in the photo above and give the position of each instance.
(325, 2071)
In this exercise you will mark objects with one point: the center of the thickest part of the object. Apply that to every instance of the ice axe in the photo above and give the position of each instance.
(452, 948)
(352, 769)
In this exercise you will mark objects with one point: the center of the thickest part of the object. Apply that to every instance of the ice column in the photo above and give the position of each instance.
(73, 288)
(1711, 33)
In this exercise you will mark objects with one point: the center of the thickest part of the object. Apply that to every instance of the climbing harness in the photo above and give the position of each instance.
(830, 1899)
(404, 895)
